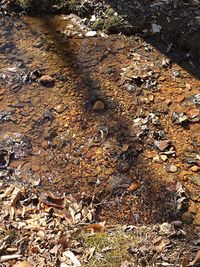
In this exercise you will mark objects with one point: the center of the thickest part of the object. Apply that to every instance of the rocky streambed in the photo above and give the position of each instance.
(106, 121)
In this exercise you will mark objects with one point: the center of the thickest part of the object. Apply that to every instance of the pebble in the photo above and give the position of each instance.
(162, 145)
(180, 99)
(91, 33)
(46, 80)
(193, 113)
(195, 168)
(23, 264)
(163, 157)
(60, 108)
(99, 105)
(171, 168)
(157, 159)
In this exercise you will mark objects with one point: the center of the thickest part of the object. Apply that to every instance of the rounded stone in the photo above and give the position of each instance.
(60, 108)
(171, 168)
(99, 105)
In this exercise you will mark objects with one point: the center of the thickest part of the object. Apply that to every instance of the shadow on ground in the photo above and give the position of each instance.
(155, 201)
(177, 24)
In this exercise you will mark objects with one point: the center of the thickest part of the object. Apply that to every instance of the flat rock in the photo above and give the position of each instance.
(162, 145)
(170, 168)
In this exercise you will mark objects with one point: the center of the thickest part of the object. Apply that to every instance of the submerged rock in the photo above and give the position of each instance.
(99, 105)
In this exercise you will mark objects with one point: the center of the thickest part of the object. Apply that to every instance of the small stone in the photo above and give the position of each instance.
(193, 113)
(171, 168)
(175, 73)
(188, 86)
(99, 105)
(162, 145)
(187, 218)
(194, 168)
(91, 34)
(157, 160)
(180, 99)
(163, 157)
(23, 264)
(60, 108)
(46, 80)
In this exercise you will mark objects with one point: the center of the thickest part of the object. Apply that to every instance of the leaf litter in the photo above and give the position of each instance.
(44, 229)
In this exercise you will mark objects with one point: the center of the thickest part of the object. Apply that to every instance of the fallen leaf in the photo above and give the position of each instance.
(185, 262)
(70, 255)
(95, 227)
(196, 259)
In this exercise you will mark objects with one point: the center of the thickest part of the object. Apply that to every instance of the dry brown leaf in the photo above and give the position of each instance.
(95, 227)
(185, 262)
(196, 259)
(161, 245)
(23, 264)
(7, 191)
(16, 195)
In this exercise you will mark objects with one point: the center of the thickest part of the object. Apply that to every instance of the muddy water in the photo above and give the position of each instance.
(117, 172)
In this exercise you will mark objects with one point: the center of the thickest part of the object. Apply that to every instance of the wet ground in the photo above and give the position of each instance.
(97, 128)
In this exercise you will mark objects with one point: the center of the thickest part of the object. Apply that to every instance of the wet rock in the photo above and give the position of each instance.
(162, 145)
(60, 108)
(47, 81)
(99, 105)
(170, 168)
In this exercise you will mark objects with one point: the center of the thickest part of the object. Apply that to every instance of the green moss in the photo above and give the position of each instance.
(112, 246)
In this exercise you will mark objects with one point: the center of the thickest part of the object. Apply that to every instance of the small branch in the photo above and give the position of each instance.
(9, 257)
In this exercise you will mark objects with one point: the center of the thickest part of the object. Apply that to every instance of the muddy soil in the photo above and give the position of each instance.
(95, 128)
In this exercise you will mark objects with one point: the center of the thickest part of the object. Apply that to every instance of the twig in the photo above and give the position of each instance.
(9, 257)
